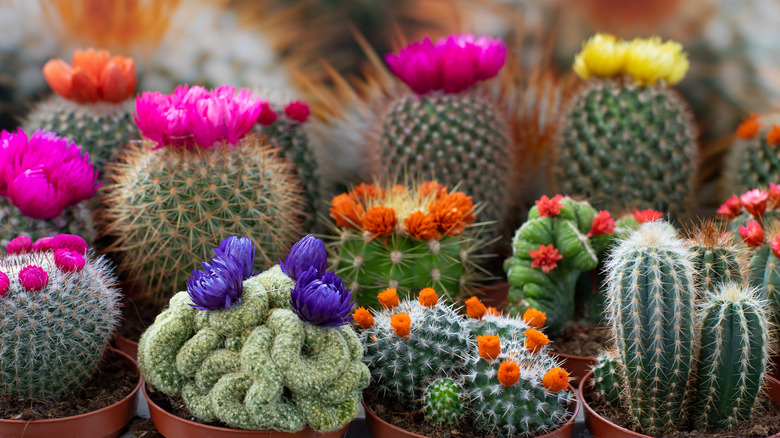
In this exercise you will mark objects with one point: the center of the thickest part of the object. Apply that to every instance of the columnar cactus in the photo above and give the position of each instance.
(167, 206)
(604, 153)
(733, 357)
(444, 402)
(752, 160)
(606, 377)
(405, 239)
(716, 258)
(765, 275)
(59, 305)
(266, 351)
(92, 103)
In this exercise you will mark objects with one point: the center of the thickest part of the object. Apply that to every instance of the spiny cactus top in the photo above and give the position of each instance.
(752, 160)
(43, 174)
(93, 76)
(452, 64)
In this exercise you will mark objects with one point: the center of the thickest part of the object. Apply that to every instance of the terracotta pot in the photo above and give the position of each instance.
(103, 423)
(125, 345)
(171, 426)
(600, 427)
(380, 428)
(776, 367)
(495, 295)
(577, 366)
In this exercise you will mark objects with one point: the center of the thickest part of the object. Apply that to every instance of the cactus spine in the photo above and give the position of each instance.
(716, 258)
(606, 377)
(444, 402)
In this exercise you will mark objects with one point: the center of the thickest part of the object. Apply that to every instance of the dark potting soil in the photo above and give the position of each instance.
(765, 421)
(115, 380)
(580, 340)
(137, 315)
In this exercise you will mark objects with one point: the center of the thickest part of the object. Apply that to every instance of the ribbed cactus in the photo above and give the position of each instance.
(716, 258)
(59, 306)
(650, 300)
(444, 402)
(752, 160)
(606, 377)
(765, 275)
(733, 357)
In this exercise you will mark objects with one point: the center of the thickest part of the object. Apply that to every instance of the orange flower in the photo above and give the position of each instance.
(749, 127)
(428, 297)
(508, 373)
(534, 318)
(398, 189)
(773, 136)
(388, 298)
(489, 346)
(556, 379)
(474, 308)
(363, 318)
(366, 192)
(430, 187)
(421, 226)
(401, 323)
(535, 340)
(492, 311)
(379, 220)
(346, 212)
(452, 212)
(648, 215)
(94, 76)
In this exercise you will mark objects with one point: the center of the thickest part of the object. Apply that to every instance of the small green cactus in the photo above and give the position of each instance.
(752, 160)
(606, 377)
(716, 257)
(444, 402)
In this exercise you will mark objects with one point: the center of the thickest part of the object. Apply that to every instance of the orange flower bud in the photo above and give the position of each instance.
(474, 308)
(492, 311)
(388, 298)
(534, 318)
(59, 76)
(346, 212)
(428, 297)
(421, 226)
(535, 340)
(489, 346)
(508, 373)
(749, 127)
(401, 323)
(556, 379)
(363, 318)
(380, 220)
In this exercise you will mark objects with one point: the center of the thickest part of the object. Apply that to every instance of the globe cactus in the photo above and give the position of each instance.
(444, 402)
(752, 160)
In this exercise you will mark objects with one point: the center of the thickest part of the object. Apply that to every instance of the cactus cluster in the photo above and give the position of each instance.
(59, 305)
(753, 158)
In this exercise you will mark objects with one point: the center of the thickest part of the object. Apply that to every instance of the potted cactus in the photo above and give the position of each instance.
(481, 373)
(60, 305)
(247, 351)
(705, 350)
(751, 161)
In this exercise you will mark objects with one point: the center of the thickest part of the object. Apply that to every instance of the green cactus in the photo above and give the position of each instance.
(733, 357)
(168, 207)
(622, 141)
(255, 365)
(754, 161)
(650, 300)
(53, 337)
(716, 257)
(606, 377)
(765, 275)
(444, 402)
(73, 220)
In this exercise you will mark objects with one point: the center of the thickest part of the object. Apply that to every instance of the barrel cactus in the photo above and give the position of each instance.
(167, 206)
(753, 157)
(626, 135)
(444, 402)
(267, 351)
(92, 104)
(60, 305)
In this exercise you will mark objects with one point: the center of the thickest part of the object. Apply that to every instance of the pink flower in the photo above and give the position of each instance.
(297, 110)
(43, 244)
(69, 261)
(546, 257)
(602, 224)
(549, 207)
(774, 195)
(5, 283)
(731, 208)
(754, 201)
(418, 65)
(70, 242)
(33, 278)
(776, 246)
(648, 215)
(752, 234)
(267, 115)
(35, 196)
(19, 245)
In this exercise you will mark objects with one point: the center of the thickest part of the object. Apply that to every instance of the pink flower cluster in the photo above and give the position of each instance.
(452, 64)
(44, 174)
(69, 251)
(199, 117)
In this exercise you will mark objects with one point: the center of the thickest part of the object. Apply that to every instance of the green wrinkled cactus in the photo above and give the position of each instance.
(444, 402)
(606, 377)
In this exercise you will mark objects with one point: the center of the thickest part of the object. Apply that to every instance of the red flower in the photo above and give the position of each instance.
(774, 195)
(731, 208)
(549, 207)
(749, 127)
(776, 246)
(602, 224)
(648, 215)
(297, 110)
(752, 234)
(546, 257)
(773, 135)
(267, 115)
(754, 201)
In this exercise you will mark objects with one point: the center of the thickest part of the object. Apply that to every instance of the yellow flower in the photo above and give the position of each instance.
(650, 60)
(602, 55)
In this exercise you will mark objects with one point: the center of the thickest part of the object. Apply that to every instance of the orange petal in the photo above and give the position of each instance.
(91, 61)
(113, 87)
(85, 89)
(59, 74)
(127, 67)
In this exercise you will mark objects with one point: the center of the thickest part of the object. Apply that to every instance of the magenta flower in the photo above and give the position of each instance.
(297, 110)
(453, 64)
(70, 242)
(43, 244)
(69, 261)
(33, 278)
(267, 115)
(19, 245)
(5, 283)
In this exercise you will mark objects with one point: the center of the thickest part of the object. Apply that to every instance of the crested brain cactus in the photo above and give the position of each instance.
(265, 351)
(444, 402)
(168, 206)
(60, 305)
(628, 137)
(406, 239)
(92, 104)
(753, 158)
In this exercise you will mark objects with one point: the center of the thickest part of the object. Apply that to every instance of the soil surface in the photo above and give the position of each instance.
(580, 340)
(115, 380)
(137, 315)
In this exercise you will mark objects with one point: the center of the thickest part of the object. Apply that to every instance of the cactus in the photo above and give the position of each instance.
(60, 305)
(605, 152)
(752, 160)
(733, 357)
(765, 276)
(73, 220)
(260, 363)
(606, 377)
(444, 402)
(716, 258)
(405, 239)
(650, 299)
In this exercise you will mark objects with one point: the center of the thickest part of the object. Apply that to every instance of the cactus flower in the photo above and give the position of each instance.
(508, 373)
(752, 233)
(363, 318)
(534, 318)
(402, 324)
(428, 297)
(364, 193)
(731, 208)
(421, 226)
(308, 252)
(43, 244)
(556, 379)
(19, 245)
(489, 346)
(388, 298)
(267, 115)
(297, 110)
(754, 201)
(602, 224)
(602, 56)
(649, 215)
(93, 76)
(474, 308)
(70, 242)
(242, 249)
(219, 286)
(346, 212)
(650, 60)
(33, 278)
(545, 257)
(321, 299)
(535, 340)
(69, 261)
(380, 220)
(749, 127)
(773, 135)
(5, 283)
(452, 213)
(549, 207)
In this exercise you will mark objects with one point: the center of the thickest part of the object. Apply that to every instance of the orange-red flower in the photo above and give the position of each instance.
(754, 201)
(489, 346)
(379, 220)
(648, 215)
(346, 212)
(366, 192)
(430, 187)
(731, 208)
(549, 207)
(774, 195)
(388, 298)
(546, 257)
(752, 233)
(452, 212)
(421, 226)
(773, 135)
(749, 127)
(94, 76)
(492, 311)
(556, 379)
(428, 297)
(534, 318)
(602, 224)
(535, 340)
(474, 308)
(401, 323)
(363, 318)
(508, 373)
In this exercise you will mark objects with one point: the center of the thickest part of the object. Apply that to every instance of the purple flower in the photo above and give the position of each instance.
(219, 286)
(323, 302)
(308, 252)
(243, 250)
